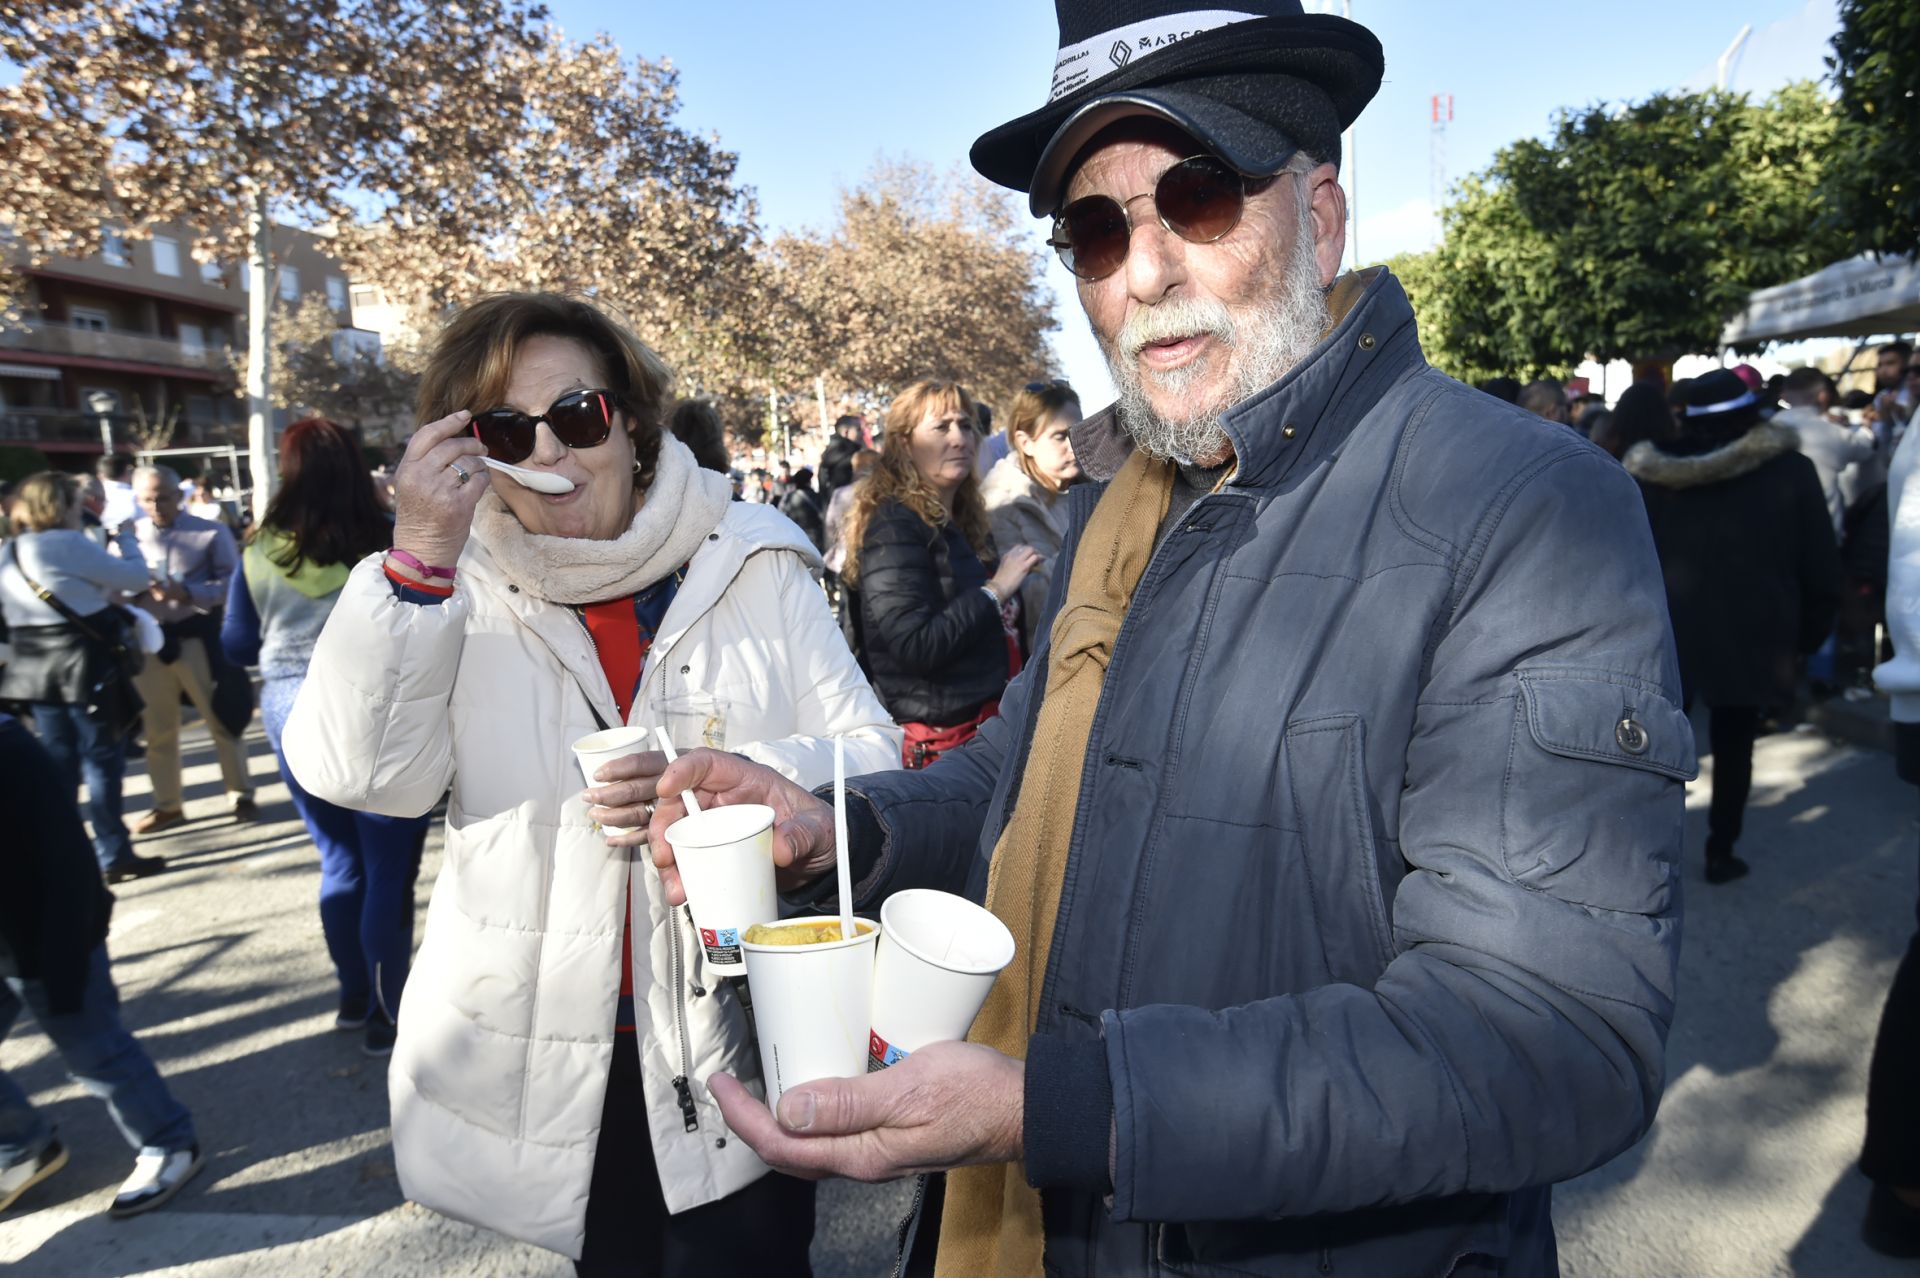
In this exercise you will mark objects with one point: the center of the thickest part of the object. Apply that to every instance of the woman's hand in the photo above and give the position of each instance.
(1014, 567)
(802, 824)
(433, 506)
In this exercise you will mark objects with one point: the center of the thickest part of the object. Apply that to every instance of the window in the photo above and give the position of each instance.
(365, 295)
(166, 255)
(113, 249)
(210, 273)
(336, 293)
(87, 317)
(246, 277)
(289, 284)
(193, 339)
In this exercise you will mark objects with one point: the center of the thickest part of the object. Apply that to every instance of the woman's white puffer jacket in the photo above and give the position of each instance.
(506, 1030)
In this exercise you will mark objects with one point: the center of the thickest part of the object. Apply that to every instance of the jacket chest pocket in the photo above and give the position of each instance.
(1325, 765)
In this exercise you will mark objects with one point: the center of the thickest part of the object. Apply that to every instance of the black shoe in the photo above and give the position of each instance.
(135, 867)
(1891, 1227)
(380, 1036)
(17, 1177)
(353, 1013)
(245, 809)
(1725, 869)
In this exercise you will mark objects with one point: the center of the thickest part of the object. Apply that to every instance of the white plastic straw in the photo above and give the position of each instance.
(840, 860)
(666, 746)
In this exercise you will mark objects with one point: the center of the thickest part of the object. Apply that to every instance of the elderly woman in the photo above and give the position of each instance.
(936, 607)
(549, 1079)
(1023, 489)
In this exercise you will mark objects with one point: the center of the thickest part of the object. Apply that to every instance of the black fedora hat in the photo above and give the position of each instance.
(1255, 83)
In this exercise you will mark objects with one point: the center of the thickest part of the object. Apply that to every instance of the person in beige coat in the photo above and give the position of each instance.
(560, 1022)
(1023, 489)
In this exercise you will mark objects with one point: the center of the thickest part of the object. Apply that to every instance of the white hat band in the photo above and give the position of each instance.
(1095, 59)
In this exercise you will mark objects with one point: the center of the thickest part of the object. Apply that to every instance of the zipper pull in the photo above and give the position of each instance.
(684, 1090)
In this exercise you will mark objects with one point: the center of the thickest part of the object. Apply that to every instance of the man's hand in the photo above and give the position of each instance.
(634, 793)
(947, 1105)
(169, 592)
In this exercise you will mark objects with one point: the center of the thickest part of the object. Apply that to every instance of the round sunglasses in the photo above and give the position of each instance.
(578, 419)
(1199, 199)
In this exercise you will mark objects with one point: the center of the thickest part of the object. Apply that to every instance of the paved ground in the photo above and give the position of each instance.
(1747, 1173)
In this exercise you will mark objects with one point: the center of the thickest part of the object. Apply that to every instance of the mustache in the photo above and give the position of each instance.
(1175, 318)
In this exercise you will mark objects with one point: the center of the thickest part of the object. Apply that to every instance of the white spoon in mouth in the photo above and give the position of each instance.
(541, 481)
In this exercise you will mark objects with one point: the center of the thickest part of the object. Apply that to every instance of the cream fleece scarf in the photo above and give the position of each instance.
(684, 504)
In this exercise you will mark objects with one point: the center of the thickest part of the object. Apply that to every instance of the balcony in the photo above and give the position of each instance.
(72, 430)
(46, 338)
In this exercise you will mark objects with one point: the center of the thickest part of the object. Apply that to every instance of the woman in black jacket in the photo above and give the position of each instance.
(1753, 576)
(933, 601)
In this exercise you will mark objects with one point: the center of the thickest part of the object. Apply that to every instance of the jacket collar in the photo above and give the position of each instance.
(1309, 411)
(1647, 462)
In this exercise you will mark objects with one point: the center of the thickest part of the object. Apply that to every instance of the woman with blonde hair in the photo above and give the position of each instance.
(58, 592)
(936, 606)
(1023, 489)
(560, 1022)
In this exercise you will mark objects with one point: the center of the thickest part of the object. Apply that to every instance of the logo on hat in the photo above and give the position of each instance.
(1120, 54)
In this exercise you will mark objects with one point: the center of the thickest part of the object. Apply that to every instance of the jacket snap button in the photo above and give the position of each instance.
(1366, 341)
(713, 536)
(1631, 736)
(514, 590)
(1288, 432)
(686, 669)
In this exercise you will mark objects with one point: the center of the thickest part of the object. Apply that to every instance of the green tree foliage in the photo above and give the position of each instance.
(1873, 181)
(1630, 232)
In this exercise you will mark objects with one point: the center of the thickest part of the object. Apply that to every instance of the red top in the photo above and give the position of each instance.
(622, 649)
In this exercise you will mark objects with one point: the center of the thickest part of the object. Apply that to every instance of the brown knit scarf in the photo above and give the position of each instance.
(991, 1226)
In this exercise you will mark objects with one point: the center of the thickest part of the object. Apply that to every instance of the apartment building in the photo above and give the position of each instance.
(145, 332)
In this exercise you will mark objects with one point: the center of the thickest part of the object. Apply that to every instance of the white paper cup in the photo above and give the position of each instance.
(938, 956)
(725, 858)
(810, 1006)
(598, 748)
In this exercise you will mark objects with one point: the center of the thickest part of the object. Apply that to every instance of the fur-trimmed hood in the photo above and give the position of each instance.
(1647, 462)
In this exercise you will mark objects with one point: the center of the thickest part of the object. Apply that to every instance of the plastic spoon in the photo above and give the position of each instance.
(541, 481)
(666, 748)
(842, 870)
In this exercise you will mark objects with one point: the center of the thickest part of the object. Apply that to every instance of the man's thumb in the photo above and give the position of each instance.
(829, 1107)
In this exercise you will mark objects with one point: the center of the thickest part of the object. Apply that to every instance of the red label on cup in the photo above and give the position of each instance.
(881, 1053)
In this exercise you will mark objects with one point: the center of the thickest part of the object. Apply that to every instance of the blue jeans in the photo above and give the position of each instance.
(83, 750)
(103, 1058)
(368, 867)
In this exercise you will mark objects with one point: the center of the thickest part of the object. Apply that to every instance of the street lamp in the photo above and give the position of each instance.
(104, 403)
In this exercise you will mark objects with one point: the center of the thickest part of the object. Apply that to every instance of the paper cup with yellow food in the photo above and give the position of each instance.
(812, 994)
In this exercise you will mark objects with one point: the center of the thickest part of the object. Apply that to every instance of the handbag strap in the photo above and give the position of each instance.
(54, 602)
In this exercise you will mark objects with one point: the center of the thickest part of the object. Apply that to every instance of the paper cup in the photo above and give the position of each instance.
(598, 748)
(810, 1005)
(725, 858)
(938, 956)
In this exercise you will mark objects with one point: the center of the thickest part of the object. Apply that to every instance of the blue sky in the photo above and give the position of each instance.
(810, 95)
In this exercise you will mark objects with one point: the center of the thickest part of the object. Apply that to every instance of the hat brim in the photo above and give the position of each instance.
(1341, 59)
(1249, 146)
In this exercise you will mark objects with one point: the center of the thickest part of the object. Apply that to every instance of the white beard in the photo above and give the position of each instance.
(1262, 347)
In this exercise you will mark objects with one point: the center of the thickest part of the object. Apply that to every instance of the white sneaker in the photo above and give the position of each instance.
(16, 1178)
(155, 1179)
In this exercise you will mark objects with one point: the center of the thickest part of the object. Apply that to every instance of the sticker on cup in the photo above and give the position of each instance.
(938, 956)
(881, 1053)
(722, 945)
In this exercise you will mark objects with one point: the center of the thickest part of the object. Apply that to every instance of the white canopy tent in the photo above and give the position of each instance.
(1859, 297)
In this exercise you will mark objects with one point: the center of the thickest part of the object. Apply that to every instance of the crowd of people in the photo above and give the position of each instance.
(1318, 725)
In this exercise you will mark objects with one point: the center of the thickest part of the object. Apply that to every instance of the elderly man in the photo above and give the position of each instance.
(1337, 818)
(191, 560)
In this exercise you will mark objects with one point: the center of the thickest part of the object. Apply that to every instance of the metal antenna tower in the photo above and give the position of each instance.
(1437, 172)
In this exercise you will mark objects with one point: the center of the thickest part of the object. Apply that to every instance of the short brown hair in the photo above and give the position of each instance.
(472, 363)
(42, 501)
